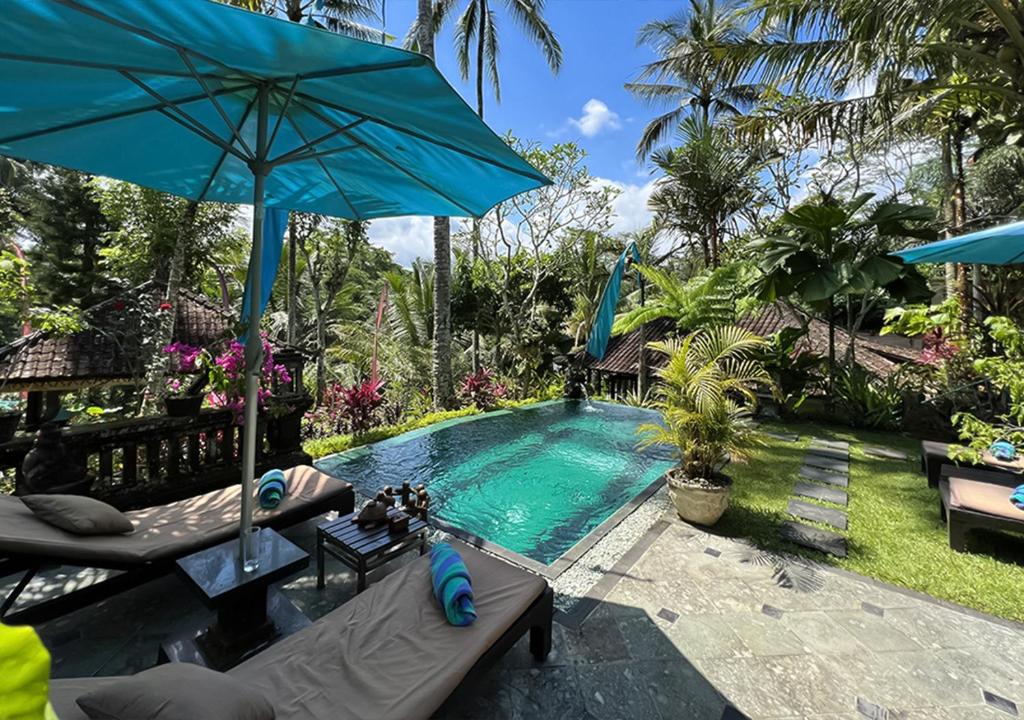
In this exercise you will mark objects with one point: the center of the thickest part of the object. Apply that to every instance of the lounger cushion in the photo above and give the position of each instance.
(78, 514)
(162, 532)
(386, 654)
(983, 497)
(177, 691)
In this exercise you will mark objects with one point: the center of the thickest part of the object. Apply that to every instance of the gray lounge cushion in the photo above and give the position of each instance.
(176, 691)
(78, 514)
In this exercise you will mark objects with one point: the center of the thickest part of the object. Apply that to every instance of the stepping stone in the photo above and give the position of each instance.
(1000, 703)
(821, 540)
(817, 513)
(817, 492)
(824, 476)
(836, 466)
(836, 444)
(788, 437)
(828, 452)
(884, 453)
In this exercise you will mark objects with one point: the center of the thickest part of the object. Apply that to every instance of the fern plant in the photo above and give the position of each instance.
(706, 397)
(704, 301)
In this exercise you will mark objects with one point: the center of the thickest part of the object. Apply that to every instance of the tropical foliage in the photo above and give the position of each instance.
(706, 396)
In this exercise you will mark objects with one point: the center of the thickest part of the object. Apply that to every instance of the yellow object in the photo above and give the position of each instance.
(24, 675)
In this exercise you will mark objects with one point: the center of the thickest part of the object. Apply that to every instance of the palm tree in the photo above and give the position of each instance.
(707, 181)
(477, 25)
(686, 73)
(347, 17)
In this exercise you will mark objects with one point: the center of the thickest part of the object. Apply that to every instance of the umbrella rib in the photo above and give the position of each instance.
(224, 154)
(337, 186)
(216, 103)
(357, 70)
(284, 110)
(187, 120)
(425, 138)
(296, 155)
(372, 150)
(113, 116)
(148, 35)
(104, 66)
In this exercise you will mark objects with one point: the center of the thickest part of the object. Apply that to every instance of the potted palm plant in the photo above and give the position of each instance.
(706, 398)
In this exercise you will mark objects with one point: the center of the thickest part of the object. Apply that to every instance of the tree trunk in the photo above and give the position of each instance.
(293, 287)
(475, 253)
(442, 350)
(831, 351)
(443, 394)
(156, 370)
(958, 208)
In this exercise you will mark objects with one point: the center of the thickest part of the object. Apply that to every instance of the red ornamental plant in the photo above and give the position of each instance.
(482, 389)
(937, 349)
(359, 405)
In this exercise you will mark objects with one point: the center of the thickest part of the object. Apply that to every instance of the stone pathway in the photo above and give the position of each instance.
(698, 627)
(824, 476)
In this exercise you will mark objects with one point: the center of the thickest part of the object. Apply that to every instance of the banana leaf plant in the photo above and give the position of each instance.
(825, 249)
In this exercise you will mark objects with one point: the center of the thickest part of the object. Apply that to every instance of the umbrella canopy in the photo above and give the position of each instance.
(1002, 245)
(210, 102)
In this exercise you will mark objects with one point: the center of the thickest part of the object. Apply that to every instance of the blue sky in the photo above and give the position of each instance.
(585, 102)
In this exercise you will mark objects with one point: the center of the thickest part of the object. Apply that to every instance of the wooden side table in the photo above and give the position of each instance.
(364, 550)
(250, 613)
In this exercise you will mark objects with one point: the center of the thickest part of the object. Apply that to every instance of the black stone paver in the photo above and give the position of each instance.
(818, 492)
(817, 513)
(826, 463)
(821, 540)
(824, 476)
(884, 453)
(829, 452)
(1000, 703)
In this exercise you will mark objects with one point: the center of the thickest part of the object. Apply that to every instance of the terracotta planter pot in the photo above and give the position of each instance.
(187, 406)
(697, 503)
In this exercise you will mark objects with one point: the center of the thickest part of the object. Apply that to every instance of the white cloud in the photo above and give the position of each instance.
(596, 117)
(407, 238)
(630, 207)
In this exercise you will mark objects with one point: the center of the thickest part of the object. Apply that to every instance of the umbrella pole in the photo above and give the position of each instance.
(253, 341)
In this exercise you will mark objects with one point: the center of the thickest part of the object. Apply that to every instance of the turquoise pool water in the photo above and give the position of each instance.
(534, 480)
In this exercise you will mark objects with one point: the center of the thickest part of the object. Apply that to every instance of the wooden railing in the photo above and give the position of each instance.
(153, 460)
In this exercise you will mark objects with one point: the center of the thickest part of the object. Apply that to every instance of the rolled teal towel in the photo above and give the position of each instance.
(1017, 497)
(452, 585)
(1002, 450)
(273, 487)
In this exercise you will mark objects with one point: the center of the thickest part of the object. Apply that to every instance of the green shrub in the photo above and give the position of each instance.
(341, 443)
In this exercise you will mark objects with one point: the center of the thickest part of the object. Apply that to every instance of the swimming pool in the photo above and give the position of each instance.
(534, 480)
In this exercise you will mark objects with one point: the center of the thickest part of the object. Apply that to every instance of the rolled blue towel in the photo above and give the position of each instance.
(1002, 450)
(452, 587)
(1017, 497)
(272, 489)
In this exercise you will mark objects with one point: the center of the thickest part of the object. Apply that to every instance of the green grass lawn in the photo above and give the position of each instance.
(894, 530)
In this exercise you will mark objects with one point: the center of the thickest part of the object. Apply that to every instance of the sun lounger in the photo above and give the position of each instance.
(974, 499)
(388, 653)
(162, 535)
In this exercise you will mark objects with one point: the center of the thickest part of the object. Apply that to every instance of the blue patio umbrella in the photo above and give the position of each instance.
(210, 102)
(1001, 245)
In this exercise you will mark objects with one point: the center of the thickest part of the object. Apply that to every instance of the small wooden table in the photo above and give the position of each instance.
(250, 613)
(363, 550)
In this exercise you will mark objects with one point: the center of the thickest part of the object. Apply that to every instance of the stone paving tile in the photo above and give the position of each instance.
(616, 690)
(821, 634)
(679, 690)
(824, 476)
(733, 596)
(546, 693)
(814, 538)
(875, 633)
(989, 671)
(598, 640)
(828, 452)
(820, 492)
(838, 466)
(934, 627)
(699, 637)
(764, 635)
(490, 698)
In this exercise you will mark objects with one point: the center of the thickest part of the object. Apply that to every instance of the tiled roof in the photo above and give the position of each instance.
(623, 353)
(881, 358)
(107, 350)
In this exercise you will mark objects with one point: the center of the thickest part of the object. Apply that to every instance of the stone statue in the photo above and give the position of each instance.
(50, 468)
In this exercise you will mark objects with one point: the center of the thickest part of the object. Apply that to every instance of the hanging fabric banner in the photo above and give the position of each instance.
(275, 223)
(601, 332)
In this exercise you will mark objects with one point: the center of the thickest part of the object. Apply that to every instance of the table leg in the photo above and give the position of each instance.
(319, 562)
(423, 544)
(361, 577)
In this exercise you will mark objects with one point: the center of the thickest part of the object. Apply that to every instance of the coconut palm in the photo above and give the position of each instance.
(707, 392)
(686, 73)
(348, 17)
(708, 179)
